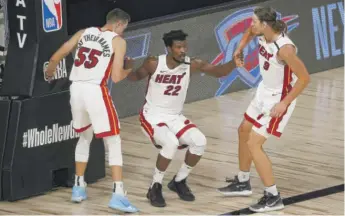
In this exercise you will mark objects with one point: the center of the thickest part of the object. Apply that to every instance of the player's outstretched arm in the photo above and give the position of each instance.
(198, 65)
(118, 72)
(288, 54)
(62, 52)
(248, 35)
(147, 68)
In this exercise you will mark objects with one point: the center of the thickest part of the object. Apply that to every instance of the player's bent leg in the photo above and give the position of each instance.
(81, 158)
(196, 141)
(271, 200)
(167, 140)
(240, 184)
(244, 156)
(118, 200)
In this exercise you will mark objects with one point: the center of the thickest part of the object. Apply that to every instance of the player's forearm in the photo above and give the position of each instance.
(247, 36)
(117, 77)
(133, 76)
(300, 85)
(223, 70)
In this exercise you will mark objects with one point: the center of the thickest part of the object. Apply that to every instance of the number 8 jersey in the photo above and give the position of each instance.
(167, 88)
(275, 73)
(94, 57)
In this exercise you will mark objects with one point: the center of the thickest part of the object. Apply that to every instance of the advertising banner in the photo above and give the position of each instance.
(37, 29)
(316, 27)
(39, 150)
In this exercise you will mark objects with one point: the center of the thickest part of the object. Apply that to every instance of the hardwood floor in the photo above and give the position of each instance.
(309, 156)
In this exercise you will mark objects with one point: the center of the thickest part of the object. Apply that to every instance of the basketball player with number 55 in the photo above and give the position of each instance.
(284, 77)
(161, 117)
(99, 56)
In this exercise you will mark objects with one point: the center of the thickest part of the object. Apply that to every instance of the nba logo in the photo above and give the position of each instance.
(52, 15)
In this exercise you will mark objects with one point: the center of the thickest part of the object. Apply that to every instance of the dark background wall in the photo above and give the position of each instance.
(84, 13)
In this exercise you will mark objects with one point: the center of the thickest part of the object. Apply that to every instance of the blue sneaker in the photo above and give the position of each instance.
(78, 194)
(121, 203)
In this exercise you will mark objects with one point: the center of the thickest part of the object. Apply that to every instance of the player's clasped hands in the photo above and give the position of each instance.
(129, 63)
(239, 58)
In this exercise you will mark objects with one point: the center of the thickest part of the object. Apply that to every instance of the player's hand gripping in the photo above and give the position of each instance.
(239, 58)
(278, 110)
(129, 63)
(50, 72)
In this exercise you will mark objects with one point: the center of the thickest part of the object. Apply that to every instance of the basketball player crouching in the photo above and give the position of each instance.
(161, 116)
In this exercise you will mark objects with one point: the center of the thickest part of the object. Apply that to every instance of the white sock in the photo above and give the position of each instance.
(183, 172)
(243, 176)
(158, 176)
(273, 190)
(118, 188)
(79, 181)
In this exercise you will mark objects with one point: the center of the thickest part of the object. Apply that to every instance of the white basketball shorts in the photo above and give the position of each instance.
(159, 126)
(259, 110)
(91, 104)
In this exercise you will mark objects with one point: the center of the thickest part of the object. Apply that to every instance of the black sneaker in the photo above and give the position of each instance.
(236, 188)
(182, 189)
(268, 203)
(155, 195)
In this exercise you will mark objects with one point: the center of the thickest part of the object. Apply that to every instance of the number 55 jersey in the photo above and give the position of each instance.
(94, 57)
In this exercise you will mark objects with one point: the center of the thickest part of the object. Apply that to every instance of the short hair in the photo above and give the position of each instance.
(117, 15)
(174, 35)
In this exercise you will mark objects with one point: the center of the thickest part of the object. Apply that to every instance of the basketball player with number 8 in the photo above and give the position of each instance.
(284, 77)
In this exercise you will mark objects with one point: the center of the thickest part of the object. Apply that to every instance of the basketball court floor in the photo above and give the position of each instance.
(308, 160)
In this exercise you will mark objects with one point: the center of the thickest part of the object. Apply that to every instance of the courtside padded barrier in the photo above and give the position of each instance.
(37, 28)
(39, 150)
(5, 106)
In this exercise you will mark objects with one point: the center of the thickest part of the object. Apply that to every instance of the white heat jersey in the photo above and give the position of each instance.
(94, 57)
(275, 74)
(167, 89)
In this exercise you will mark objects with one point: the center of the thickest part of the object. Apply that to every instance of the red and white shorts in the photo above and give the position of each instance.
(91, 104)
(259, 110)
(159, 128)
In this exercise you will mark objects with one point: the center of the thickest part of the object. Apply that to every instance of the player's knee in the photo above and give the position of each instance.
(169, 148)
(254, 145)
(245, 127)
(199, 142)
(83, 146)
(113, 144)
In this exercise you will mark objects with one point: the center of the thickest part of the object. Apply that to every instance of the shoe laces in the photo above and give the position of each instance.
(231, 180)
(184, 187)
(263, 200)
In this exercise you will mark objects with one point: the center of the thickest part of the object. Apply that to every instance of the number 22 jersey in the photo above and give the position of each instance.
(167, 88)
(94, 57)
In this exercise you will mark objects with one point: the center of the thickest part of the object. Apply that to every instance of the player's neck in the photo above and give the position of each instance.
(171, 62)
(270, 38)
(106, 28)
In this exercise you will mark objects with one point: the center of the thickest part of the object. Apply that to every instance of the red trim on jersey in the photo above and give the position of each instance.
(162, 125)
(79, 130)
(112, 115)
(149, 129)
(274, 122)
(251, 120)
(107, 71)
(183, 130)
